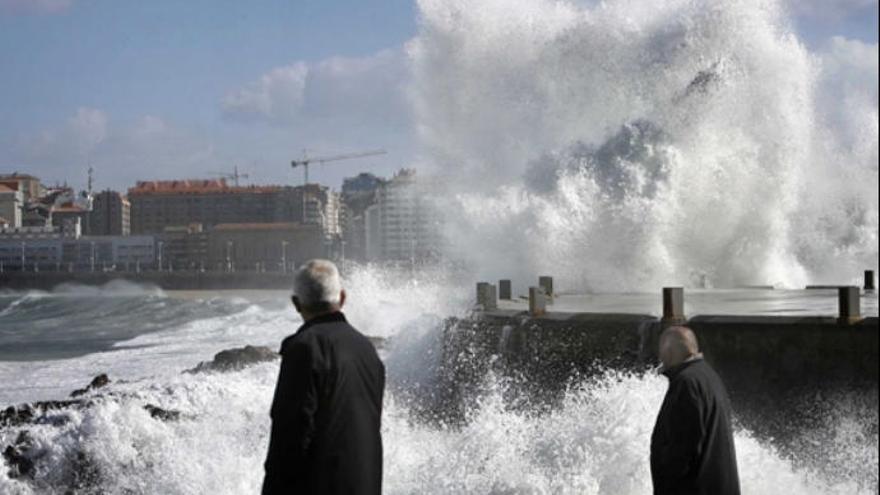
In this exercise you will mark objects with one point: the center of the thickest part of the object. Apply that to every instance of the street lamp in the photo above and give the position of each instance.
(161, 248)
(342, 253)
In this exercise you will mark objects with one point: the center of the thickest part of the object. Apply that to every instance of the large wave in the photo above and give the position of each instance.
(630, 144)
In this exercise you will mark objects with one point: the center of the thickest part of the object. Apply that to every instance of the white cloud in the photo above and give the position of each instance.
(341, 91)
(34, 6)
(277, 96)
(121, 153)
(835, 9)
(77, 137)
(848, 93)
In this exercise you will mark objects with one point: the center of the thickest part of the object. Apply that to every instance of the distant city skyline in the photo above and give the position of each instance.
(174, 90)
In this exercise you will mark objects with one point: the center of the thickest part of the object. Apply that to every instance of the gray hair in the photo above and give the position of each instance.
(317, 283)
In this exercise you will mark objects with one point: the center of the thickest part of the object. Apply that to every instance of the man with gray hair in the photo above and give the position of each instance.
(692, 451)
(327, 408)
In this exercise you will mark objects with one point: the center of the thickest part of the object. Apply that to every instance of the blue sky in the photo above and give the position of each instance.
(172, 89)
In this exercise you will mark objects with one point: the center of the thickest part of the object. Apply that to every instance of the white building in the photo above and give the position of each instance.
(108, 252)
(48, 248)
(405, 225)
(32, 253)
(11, 201)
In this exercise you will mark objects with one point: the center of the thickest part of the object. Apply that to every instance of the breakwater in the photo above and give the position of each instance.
(785, 374)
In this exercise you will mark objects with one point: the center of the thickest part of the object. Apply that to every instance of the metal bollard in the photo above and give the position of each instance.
(849, 304)
(537, 301)
(486, 296)
(673, 306)
(504, 290)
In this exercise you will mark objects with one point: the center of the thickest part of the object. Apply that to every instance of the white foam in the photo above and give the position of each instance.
(629, 144)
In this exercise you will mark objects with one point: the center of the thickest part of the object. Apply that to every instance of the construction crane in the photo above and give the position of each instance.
(234, 175)
(306, 160)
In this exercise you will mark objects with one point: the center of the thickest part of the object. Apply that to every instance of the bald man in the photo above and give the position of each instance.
(692, 449)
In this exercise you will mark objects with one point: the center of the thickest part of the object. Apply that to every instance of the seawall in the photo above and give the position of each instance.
(782, 372)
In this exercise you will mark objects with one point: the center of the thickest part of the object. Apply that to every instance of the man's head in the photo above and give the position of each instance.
(677, 345)
(317, 289)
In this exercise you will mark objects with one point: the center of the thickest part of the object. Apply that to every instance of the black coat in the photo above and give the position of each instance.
(692, 449)
(326, 413)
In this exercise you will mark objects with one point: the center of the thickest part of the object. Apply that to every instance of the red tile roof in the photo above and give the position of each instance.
(11, 185)
(196, 186)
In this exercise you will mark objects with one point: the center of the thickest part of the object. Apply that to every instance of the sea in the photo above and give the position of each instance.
(595, 441)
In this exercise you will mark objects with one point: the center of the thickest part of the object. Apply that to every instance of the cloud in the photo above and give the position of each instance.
(120, 152)
(342, 91)
(78, 136)
(848, 93)
(276, 97)
(34, 6)
(835, 9)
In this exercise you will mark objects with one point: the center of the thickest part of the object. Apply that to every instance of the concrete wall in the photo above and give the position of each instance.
(774, 367)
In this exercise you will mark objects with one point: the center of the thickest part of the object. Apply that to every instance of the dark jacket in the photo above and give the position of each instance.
(692, 449)
(326, 413)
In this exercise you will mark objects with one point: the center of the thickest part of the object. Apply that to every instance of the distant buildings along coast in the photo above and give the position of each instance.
(210, 225)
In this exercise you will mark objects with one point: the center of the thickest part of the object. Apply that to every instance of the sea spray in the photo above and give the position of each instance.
(630, 144)
(594, 443)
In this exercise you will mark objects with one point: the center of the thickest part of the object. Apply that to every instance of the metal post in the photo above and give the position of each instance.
(22, 255)
(673, 305)
(504, 290)
(342, 254)
(486, 296)
(537, 301)
(849, 304)
(283, 256)
(229, 256)
(93, 256)
(161, 248)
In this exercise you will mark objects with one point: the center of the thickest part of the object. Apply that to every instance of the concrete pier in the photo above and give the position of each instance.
(849, 302)
(505, 291)
(869, 280)
(673, 306)
(487, 296)
(537, 301)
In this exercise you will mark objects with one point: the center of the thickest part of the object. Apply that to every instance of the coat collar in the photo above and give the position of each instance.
(675, 370)
(333, 317)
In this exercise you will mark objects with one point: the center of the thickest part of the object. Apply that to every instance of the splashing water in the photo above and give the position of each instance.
(629, 144)
(595, 442)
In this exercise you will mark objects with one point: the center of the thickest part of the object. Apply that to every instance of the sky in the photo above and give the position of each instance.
(172, 89)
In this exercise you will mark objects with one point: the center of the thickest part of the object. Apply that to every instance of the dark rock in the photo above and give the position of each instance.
(236, 359)
(14, 455)
(99, 381)
(157, 412)
(29, 413)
